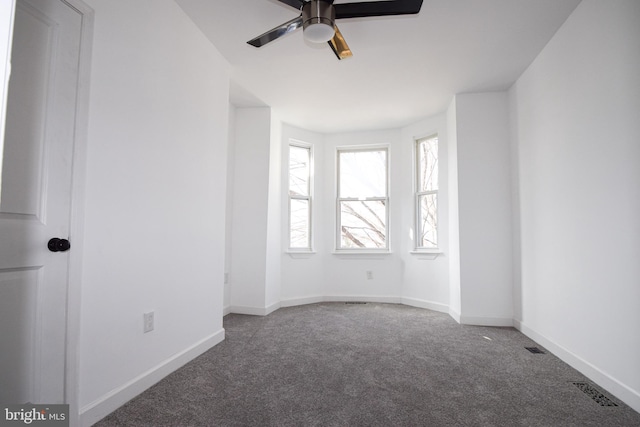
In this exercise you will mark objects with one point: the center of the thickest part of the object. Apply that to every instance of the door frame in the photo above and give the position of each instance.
(76, 226)
(8, 13)
(76, 220)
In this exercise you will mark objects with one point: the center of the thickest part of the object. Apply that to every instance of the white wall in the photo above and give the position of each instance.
(155, 191)
(576, 130)
(231, 155)
(425, 280)
(303, 274)
(323, 275)
(397, 277)
(273, 282)
(345, 275)
(472, 277)
(484, 208)
(454, 229)
(248, 274)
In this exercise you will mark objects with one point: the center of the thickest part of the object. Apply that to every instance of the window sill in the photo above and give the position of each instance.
(362, 254)
(427, 254)
(300, 254)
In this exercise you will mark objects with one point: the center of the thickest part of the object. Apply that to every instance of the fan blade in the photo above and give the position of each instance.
(279, 31)
(377, 8)
(293, 3)
(339, 45)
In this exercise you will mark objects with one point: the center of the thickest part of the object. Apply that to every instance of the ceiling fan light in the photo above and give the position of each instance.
(318, 21)
(319, 32)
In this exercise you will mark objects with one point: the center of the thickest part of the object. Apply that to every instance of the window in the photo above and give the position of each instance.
(362, 199)
(427, 193)
(299, 197)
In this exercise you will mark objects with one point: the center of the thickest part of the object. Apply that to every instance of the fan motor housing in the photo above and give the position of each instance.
(318, 12)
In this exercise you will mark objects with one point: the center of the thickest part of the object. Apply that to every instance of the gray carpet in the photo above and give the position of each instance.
(337, 364)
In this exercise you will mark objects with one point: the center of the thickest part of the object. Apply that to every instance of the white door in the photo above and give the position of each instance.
(35, 201)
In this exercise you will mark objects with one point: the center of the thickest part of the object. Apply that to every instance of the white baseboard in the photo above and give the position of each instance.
(486, 321)
(293, 302)
(111, 401)
(612, 385)
(260, 311)
(414, 302)
(361, 298)
(453, 313)
(253, 311)
(479, 320)
(273, 307)
(429, 305)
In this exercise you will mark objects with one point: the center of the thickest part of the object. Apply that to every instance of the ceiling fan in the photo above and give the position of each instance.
(318, 17)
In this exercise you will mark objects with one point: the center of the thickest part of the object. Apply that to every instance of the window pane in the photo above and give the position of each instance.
(428, 221)
(299, 158)
(299, 234)
(363, 224)
(428, 164)
(363, 173)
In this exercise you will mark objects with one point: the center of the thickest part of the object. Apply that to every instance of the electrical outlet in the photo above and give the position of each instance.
(148, 322)
(369, 275)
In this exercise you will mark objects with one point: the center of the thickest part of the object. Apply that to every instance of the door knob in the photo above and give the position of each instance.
(58, 245)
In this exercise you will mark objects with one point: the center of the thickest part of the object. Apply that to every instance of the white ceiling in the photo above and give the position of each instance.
(403, 68)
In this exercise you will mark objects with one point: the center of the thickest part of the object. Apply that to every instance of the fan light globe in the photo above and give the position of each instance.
(319, 32)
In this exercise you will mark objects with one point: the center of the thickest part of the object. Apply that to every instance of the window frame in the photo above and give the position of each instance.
(339, 200)
(308, 197)
(418, 194)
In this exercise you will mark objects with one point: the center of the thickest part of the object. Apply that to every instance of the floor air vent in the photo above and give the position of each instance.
(355, 302)
(535, 350)
(595, 394)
